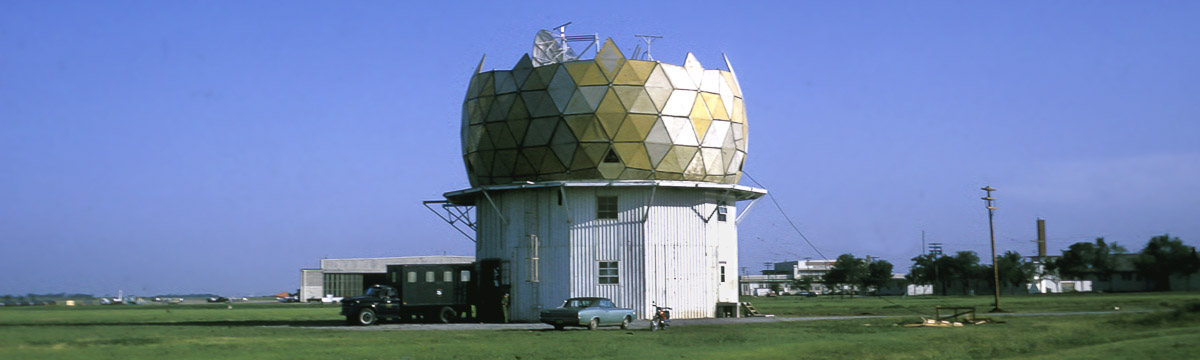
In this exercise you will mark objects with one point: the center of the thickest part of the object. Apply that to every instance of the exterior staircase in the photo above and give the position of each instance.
(750, 310)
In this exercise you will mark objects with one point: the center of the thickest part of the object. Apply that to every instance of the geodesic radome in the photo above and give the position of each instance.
(607, 118)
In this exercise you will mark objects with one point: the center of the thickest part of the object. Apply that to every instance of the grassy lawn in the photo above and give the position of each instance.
(270, 331)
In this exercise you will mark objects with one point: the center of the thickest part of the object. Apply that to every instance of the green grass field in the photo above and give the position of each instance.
(1171, 330)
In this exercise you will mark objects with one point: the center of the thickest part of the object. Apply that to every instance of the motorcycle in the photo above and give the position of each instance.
(662, 318)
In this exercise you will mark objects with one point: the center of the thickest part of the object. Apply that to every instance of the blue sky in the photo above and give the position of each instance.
(178, 147)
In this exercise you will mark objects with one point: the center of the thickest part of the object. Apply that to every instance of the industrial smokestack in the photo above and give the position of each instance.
(1041, 238)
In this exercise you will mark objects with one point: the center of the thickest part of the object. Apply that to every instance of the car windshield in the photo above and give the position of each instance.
(579, 303)
(375, 291)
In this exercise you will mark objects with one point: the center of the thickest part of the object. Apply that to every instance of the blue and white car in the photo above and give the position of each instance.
(590, 312)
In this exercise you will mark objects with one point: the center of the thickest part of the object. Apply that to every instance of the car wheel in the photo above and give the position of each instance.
(594, 324)
(447, 315)
(559, 327)
(625, 323)
(366, 317)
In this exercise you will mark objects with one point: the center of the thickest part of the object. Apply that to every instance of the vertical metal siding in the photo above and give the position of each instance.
(671, 259)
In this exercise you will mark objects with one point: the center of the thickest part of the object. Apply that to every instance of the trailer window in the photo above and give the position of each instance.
(429, 276)
(448, 276)
(412, 276)
(465, 275)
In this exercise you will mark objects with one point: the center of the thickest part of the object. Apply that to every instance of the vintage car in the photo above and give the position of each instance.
(591, 312)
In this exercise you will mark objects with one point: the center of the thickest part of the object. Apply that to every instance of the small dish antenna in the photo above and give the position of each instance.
(550, 49)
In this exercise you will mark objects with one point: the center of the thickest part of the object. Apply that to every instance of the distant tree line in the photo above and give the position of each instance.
(1162, 258)
(852, 275)
(46, 296)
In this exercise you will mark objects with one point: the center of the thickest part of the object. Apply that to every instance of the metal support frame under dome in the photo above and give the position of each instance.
(454, 214)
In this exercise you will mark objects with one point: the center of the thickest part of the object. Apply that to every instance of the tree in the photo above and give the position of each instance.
(1163, 257)
(928, 269)
(964, 267)
(879, 275)
(1083, 259)
(847, 271)
(804, 283)
(1014, 271)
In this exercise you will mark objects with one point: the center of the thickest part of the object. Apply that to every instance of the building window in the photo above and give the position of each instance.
(608, 272)
(722, 273)
(606, 207)
(721, 212)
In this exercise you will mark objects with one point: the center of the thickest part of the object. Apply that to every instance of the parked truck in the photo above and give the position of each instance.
(433, 293)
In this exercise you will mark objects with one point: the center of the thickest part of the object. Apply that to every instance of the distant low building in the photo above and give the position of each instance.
(351, 277)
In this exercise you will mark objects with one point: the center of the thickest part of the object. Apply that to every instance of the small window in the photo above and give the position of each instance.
(448, 276)
(721, 212)
(465, 275)
(606, 207)
(608, 272)
(611, 157)
(412, 276)
(430, 276)
(722, 273)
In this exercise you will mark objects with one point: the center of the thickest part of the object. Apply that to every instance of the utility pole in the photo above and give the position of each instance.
(922, 242)
(992, 231)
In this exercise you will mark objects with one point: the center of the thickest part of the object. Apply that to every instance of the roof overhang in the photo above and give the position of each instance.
(738, 192)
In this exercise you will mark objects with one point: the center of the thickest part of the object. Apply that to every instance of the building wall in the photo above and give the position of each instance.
(673, 258)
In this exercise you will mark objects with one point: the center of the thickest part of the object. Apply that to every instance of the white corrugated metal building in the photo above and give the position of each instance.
(673, 243)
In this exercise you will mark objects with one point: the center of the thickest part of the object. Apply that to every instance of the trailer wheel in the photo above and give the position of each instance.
(366, 317)
(447, 315)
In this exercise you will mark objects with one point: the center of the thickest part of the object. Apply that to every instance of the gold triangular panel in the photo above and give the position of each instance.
(635, 99)
(634, 155)
(695, 169)
(700, 117)
(668, 176)
(635, 72)
(610, 113)
(716, 108)
(585, 73)
(635, 174)
(656, 153)
(610, 59)
(586, 128)
(636, 127)
(610, 171)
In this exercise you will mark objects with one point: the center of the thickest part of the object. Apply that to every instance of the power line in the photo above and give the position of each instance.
(785, 217)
